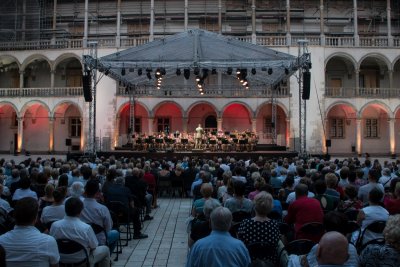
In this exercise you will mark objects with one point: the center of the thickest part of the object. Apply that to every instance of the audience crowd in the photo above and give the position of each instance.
(278, 212)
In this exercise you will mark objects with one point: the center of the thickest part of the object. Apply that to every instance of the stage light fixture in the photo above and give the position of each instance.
(186, 73)
(202, 93)
(163, 71)
(286, 71)
(123, 72)
(243, 73)
(238, 71)
(140, 71)
(178, 72)
(106, 72)
(205, 73)
(158, 87)
(148, 74)
(245, 82)
(270, 71)
(214, 71)
(158, 72)
(229, 71)
(253, 71)
(196, 71)
(197, 78)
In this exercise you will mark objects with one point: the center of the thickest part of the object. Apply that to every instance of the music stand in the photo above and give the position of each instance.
(184, 141)
(235, 140)
(212, 142)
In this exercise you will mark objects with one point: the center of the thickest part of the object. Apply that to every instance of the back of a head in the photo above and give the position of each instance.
(373, 175)
(25, 183)
(301, 190)
(91, 188)
(375, 196)
(26, 211)
(336, 221)
(209, 206)
(206, 190)
(221, 219)
(239, 188)
(73, 207)
(332, 249)
(344, 172)
(320, 187)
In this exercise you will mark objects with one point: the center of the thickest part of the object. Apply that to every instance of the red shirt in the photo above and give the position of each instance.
(149, 179)
(393, 206)
(304, 210)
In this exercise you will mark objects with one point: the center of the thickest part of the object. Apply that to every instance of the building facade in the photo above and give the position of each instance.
(355, 73)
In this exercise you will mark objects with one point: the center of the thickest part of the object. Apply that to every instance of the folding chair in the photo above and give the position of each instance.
(66, 247)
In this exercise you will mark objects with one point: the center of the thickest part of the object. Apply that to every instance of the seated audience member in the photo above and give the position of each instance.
(111, 175)
(56, 211)
(364, 190)
(303, 210)
(201, 227)
(4, 203)
(71, 227)
(261, 228)
(238, 202)
(25, 245)
(223, 189)
(331, 184)
(393, 204)
(373, 212)
(387, 254)
(76, 190)
(24, 190)
(119, 192)
(47, 199)
(219, 249)
(205, 178)
(259, 182)
(332, 249)
(96, 213)
(276, 204)
(327, 202)
(206, 191)
(351, 203)
(292, 196)
(385, 178)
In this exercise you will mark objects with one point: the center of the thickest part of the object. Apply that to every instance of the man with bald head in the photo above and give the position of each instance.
(332, 249)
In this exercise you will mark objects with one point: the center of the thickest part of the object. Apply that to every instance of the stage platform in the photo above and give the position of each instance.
(254, 155)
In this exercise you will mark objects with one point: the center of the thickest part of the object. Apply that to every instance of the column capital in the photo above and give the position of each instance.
(21, 72)
(391, 119)
(21, 119)
(51, 119)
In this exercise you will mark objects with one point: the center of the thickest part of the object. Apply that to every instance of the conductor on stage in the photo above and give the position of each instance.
(198, 137)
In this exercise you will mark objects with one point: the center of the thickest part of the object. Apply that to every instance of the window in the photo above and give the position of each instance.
(163, 125)
(337, 128)
(371, 128)
(75, 127)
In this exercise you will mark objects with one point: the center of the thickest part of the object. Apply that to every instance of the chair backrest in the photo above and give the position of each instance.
(351, 214)
(375, 227)
(68, 246)
(299, 247)
(313, 231)
(261, 250)
(240, 215)
(274, 215)
(97, 229)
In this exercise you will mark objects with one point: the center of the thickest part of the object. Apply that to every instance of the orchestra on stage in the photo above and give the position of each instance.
(200, 140)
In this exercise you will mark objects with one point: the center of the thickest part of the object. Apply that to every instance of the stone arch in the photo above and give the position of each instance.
(27, 105)
(124, 104)
(31, 58)
(156, 107)
(341, 55)
(375, 56)
(278, 103)
(333, 105)
(7, 103)
(238, 119)
(12, 57)
(68, 102)
(65, 56)
(249, 109)
(378, 104)
(189, 109)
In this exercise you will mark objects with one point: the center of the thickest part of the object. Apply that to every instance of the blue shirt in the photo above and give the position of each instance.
(219, 249)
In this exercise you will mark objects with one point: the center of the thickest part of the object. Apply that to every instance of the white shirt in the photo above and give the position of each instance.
(94, 212)
(25, 246)
(73, 228)
(21, 193)
(385, 180)
(5, 205)
(364, 190)
(372, 214)
(292, 197)
(239, 178)
(52, 213)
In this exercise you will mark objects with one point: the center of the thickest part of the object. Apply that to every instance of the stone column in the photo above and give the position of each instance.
(151, 122)
(288, 35)
(326, 135)
(20, 134)
(392, 135)
(116, 131)
(358, 136)
(51, 135)
(186, 19)
(53, 39)
(355, 18)
(391, 80)
(253, 22)
(151, 37)
(86, 25)
(21, 79)
(357, 71)
(52, 76)
(322, 24)
(389, 23)
(184, 124)
(219, 16)
(219, 124)
(118, 37)
(287, 132)
(254, 125)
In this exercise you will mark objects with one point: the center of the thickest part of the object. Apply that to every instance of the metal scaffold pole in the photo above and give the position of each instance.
(302, 50)
(91, 145)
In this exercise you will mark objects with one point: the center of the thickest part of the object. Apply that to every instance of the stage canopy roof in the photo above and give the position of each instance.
(198, 49)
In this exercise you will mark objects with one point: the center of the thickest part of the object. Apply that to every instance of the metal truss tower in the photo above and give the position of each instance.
(91, 144)
(303, 50)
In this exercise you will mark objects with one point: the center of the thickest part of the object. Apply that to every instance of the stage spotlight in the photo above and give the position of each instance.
(196, 71)
(162, 71)
(253, 71)
(229, 71)
(202, 93)
(238, 71)
(178, 72)
(197, 78)
(214, 71)
(106, 72)
(158, 87)
(243, 73)
(186, 73)
(309, 65)
(286, 71)
(245, 82)
(123, 71)
(270, 71)
(158, 72)
(148, 74)
(139, 72)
